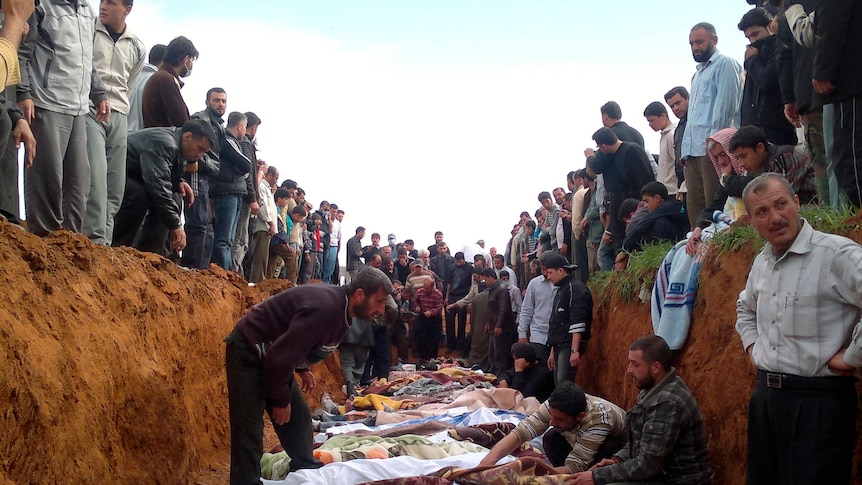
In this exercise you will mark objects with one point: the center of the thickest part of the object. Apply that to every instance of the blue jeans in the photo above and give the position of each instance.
(607, 256)
(330, 258)
(226, 209)
(199, 229)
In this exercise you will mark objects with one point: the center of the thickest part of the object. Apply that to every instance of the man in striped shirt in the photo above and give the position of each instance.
(581, 430)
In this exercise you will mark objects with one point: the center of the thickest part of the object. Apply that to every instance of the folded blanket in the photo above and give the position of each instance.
(344, 448)
(487, 434)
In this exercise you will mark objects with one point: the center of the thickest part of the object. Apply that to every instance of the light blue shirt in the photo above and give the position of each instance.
(716, 94)
(536, 310)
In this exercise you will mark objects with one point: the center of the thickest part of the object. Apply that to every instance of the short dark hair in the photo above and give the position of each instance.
(375, 234)
(708, 27)
(157, 54)
(655, 109)
(253, 118)
(654, 349)
(478, 257)
(612, 109)
(409, 241)
(523, 350)
(568, 398)
(627, 207)
(359, 229)
(531, 223)
(272, 170)
(178, 49)
(214, 90)
(680, 90)
(438, 233)
(333, 206)
(748, 137)
(281, 194)
(605, 136)
(440, 244)
(756, 17)
(370, 280)
(288, 184)
(544, 195)
(299, 210)
(200, 128)
(654, 188)
(499, 256)
(235, 118)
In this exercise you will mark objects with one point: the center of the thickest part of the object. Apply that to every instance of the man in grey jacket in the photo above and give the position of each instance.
(157, 158)
(57, 76)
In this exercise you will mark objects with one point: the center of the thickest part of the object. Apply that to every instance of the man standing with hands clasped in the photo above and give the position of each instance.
(284, 335)
(798, 318)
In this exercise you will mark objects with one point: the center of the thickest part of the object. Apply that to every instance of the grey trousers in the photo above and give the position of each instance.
(702, 181)
(352, 358)
(106, 148)
(240, 240)
(56, 186)
(9, 203)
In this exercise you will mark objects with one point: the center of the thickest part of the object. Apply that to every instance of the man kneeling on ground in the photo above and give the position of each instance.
(666, 441)
(585, 430)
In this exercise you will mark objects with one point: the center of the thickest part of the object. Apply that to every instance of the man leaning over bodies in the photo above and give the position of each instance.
(581, 430)
(277, 339)
(798, 319)
(155, 163)
(666, 440)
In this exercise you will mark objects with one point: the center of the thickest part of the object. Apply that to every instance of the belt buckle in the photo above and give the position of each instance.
(773, 380)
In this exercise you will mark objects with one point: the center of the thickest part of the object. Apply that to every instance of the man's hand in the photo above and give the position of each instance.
(693, 242)
(29, 109)
(520, 364)
(585, 223)
(103, 111)
(575, 358)
(603, 462)
(503, 384)
(750, 51)
(427, 313)
(22, 133)
(589, 152)
(178, 239)
(621, 262)
(254, 207)
(551, 360)
(307, 381)
(281, 415)
(15, 26)
(823, 87)
(186, 191)
(838, 365)
(584, 478)
(791, 112)
(489, 460)
(272, 228)
(498, 331)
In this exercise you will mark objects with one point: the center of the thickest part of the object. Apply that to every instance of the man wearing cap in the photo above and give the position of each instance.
(581, 430)
(571, 317)
(501, 323)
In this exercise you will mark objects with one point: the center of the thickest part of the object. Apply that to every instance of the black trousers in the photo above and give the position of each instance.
(847, 148)
(456, 340)
(428, 333)
(199, 229)
(136, 223)
(802, 433)
(379, 360)
(247, 398)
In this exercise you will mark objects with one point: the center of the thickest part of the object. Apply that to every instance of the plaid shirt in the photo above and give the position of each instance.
(666, 439)
(429, 301)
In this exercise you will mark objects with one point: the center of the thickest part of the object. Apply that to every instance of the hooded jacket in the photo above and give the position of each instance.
(668, 222)
(761, 95)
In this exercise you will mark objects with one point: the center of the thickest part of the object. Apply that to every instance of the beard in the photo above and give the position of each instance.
(705, 55)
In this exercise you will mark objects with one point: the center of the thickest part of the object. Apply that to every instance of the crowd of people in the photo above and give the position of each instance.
(121, 160)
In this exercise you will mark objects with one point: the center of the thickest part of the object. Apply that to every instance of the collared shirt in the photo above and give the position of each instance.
(536, 310)
(667, 160)
(716, 90)
(603, 419)
(334, 233)
(800, 308)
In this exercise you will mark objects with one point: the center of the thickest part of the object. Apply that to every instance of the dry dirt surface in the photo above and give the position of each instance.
(113, 363)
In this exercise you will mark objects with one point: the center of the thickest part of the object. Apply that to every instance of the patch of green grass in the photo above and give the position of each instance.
(828, 219)
(600, 285)
(642, 269)
(730, 240)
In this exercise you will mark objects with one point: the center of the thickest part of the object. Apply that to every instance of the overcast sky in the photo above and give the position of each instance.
(416, 116)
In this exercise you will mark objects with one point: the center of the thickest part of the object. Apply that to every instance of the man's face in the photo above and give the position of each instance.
(251, 131)
(241, 130)
(390, 266)
(428, 284)
(333, 212)
(755, 33)
(376, 261)
(402, 258)
(218, 103)
(271, 177)
(113, 13)
(504, 278)
(657, 123)
(559, 196)
(438, 237)
(370, 306)
(361, 234)
(194, 147)
(775, 215)
(639, 370)
(492, 252)
(498, 263)
(678, 105)
(479, 263)
(752, 159)
(426, 258)
(416, 269)
(563, 421)
(720, 155)
(652, 202)
(554, 274)
(340, 216)
(375, 240)
(489, 280)
(459, 262)
(386, 250)
(441, 249)
(281, 202)
(547, 204)
(702, 44)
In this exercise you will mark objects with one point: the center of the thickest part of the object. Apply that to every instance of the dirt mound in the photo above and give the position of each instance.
(113, 362)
